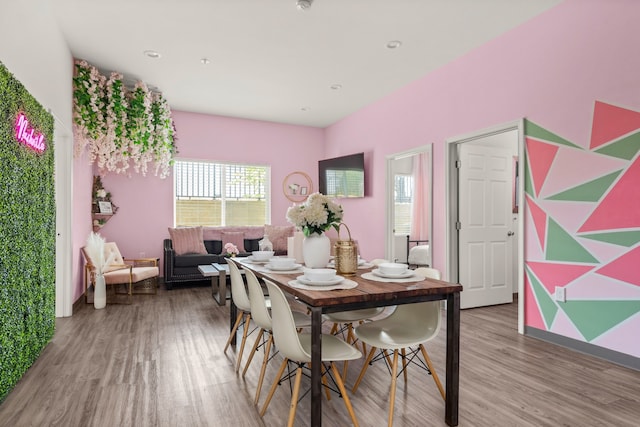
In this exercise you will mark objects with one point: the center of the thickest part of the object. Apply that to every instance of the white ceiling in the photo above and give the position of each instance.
(270, 61)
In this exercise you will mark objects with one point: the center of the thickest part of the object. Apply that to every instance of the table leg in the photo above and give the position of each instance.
(316, 365)
(219, 287)
(233, 310)
(453, 359)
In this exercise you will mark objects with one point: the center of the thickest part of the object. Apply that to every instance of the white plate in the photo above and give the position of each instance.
(406, 274)
(254, 261)
(333, 281)
(274, 268)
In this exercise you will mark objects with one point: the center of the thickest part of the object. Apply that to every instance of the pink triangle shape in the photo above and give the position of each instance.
(539, 219)
(611, 122)
(554, 274)
(620, 208)
(624, 268)
(541, 155)
(532, 315)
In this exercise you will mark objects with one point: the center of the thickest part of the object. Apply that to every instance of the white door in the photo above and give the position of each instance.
(485, 222)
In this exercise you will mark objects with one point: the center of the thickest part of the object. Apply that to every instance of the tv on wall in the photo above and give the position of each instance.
(342, 177)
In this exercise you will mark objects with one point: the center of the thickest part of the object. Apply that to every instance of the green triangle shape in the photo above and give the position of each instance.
(590, 191)
(593, 318)
(626, 148)
(528, 183)
(535, 131)
(547, 306)
(622, 238)
(561, 246)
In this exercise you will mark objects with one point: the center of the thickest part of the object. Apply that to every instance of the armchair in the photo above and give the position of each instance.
(122, 272)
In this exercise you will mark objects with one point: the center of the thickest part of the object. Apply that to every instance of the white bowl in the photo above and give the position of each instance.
(262, 255)
(393, 268)
(282, 262)
(319, 274)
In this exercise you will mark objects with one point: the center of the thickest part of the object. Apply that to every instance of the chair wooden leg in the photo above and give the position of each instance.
(392, 397)
(386, 356)
(364, 369)
(267, 350)
(247, 322)
(265, 405)
(294, 397)
(334, 329)
(345, 397)
(323, 377)
(252, 352)
(404, 364)
(234, 329)
(433, 372)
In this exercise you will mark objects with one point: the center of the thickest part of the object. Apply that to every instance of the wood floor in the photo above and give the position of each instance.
(159, 362)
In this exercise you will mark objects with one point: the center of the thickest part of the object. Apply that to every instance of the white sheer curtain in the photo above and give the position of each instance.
(419, 219)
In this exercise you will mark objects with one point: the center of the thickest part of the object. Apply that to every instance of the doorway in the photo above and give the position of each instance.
(409, 207)
(484, 216)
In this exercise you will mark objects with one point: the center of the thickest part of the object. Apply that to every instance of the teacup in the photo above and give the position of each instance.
(262, 255)
(319, 274)
(392, 268)
(282, 262)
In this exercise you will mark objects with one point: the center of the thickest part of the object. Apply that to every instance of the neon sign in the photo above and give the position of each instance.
(28, 136)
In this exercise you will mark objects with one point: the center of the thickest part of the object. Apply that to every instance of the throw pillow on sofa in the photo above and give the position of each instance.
(278, 235)
(187, 240)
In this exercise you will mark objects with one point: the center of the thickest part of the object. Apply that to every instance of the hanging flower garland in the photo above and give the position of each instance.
(120, 127)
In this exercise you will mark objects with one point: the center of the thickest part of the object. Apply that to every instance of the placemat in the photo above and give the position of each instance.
(345, 284)
(371, 276)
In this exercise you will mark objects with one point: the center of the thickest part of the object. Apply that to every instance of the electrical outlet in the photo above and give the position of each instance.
(561, 294)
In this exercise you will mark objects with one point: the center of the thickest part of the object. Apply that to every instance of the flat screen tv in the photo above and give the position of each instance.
(342, 177)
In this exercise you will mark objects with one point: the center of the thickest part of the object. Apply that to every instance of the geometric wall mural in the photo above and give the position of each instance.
(582, 230)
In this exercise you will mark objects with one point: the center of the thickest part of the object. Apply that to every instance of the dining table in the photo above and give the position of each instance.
(369, 293)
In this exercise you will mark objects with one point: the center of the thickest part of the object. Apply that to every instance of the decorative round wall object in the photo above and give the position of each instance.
(297, 186)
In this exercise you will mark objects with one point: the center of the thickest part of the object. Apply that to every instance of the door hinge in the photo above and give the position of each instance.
(458, 225)
(458, 164)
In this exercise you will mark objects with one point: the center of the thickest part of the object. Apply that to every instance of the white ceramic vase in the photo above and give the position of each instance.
(100, 292)
(316, 250)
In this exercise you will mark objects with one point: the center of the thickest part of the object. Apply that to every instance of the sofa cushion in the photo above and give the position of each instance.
(251, 245)
(278, 235)
(234, 237)
(213, 246)
(191, 260)
(187, 240)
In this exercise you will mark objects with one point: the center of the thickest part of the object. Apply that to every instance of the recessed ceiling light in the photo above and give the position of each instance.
(336, 86)
(152, 54)
(394, 44)
(205, 61)
(305, 108)
(303, 4)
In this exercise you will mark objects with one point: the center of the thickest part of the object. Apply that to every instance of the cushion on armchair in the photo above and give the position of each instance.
(278, 235)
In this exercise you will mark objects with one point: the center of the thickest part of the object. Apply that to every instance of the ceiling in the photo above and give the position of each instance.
(270, 61)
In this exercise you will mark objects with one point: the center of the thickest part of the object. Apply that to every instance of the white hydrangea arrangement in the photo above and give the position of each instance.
(316, 215)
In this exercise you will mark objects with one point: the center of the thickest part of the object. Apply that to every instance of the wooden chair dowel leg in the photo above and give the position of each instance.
(433, 372)
(294, 397)
(252, 352)
(234, 329)
(345, 397)
(364, 369)
(265, 405)
(263, 369)
(392, 397)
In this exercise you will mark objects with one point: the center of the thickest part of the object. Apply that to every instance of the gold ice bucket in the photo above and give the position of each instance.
(346, 254)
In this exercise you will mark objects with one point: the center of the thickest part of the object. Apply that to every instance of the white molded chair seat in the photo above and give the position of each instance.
(241, 300)
(408, 326)
(296, 347)
(262, 318)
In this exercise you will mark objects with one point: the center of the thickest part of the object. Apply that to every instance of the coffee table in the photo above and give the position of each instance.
(218, 274)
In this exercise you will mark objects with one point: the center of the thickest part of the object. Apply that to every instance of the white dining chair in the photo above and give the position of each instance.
(241, 300)
(410, 325)
(262, 318)
(296, 348)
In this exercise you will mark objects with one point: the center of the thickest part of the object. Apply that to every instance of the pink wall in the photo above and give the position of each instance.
(146, 203)
(550, 70)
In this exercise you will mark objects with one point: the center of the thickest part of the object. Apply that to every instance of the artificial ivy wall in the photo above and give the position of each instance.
(27, 230)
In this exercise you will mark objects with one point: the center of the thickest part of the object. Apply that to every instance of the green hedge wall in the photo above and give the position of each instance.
(27, 235)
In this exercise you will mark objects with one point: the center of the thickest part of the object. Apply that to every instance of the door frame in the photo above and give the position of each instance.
(451, 205)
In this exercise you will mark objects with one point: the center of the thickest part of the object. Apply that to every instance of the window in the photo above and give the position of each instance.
(221, 194)
(403, 203)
